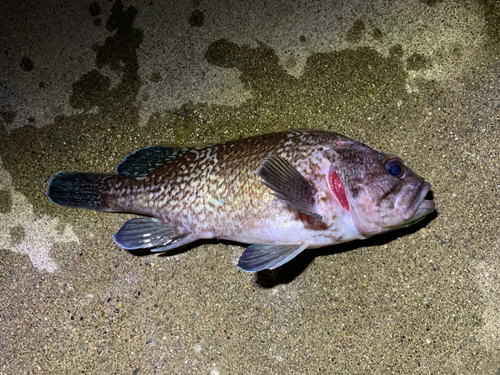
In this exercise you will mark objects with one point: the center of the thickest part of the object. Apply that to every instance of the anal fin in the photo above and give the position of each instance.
(150, 233)
(268, 256)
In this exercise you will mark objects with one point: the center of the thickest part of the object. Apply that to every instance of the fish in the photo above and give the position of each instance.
(281, 193)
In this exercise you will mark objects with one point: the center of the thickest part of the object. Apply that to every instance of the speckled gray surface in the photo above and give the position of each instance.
(84, 84)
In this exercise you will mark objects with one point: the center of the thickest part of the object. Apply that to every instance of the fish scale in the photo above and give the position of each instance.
(282, 192)
(214, 175)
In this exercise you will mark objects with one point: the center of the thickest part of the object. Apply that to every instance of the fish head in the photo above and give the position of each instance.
(383, 194)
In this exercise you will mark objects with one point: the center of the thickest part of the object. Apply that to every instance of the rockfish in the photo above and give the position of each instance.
(282, 193)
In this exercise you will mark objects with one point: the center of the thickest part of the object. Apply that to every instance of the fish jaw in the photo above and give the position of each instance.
(422, 207)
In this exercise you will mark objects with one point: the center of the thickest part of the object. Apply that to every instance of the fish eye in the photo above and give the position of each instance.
(393, 165)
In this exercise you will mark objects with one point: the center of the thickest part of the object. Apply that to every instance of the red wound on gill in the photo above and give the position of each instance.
(338, 189)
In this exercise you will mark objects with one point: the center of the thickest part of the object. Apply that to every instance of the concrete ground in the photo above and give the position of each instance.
(83, 84)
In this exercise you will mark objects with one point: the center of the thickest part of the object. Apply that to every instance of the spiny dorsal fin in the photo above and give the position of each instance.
(141, 162)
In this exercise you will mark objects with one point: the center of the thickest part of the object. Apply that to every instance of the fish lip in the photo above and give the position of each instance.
(421, 207)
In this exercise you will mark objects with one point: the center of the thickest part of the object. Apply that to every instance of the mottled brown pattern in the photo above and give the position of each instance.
(214, 188)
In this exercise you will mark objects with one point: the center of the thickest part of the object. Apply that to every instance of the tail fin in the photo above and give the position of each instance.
(79, 190)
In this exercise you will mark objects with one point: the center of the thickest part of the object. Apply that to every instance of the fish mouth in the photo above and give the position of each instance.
(421, 207)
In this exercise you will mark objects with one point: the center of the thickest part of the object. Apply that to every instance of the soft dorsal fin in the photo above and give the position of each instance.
(141, 162)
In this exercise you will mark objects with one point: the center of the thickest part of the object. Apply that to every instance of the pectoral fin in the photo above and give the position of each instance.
(150, 233)
(288, 184)
(268, 256)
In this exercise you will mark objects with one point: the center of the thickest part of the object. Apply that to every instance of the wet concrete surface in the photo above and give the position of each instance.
(85, 84)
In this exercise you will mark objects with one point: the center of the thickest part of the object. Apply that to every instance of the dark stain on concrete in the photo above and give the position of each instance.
(417, 61)
(491, 9)
(5, 202)
(95, 9)
(377, 35)
(355, 33)
(27, 64)
(91, 90)
(8, 116)
(431, 2)
(17, 235)
(155, 77)
(197, 18)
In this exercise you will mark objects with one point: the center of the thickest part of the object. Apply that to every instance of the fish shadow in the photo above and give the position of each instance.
(288, 272)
